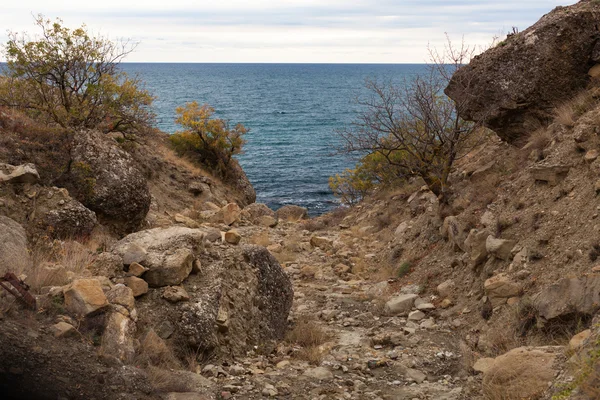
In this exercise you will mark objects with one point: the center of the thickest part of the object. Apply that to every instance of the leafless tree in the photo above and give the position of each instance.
(415, 126)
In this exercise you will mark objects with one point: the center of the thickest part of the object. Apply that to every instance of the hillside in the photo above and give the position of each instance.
(154, 279)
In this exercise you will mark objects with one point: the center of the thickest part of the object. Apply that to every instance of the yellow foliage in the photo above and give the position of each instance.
(210, 140)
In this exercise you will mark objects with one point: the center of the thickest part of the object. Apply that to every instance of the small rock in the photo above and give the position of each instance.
(445, 289)
(500, 248)
(446, 303)
(591, 155)
(416, 315)
(415, 375)
(320, 373)
(63, 330)
(121, 295)
(321, 242)
(578, 340)
(136, 269)
(232, 236)
(400, 305)
(137, 285)
(84, 296)
(175, 294)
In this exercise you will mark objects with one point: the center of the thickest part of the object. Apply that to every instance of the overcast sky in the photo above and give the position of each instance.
(340, 31)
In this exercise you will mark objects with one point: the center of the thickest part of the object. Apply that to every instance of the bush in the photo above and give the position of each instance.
(210, 141)
(72, 79)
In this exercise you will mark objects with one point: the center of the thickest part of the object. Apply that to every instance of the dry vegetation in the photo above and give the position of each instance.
(309, 336)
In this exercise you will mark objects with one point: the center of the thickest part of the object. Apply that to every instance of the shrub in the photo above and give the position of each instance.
(210, 141)
(413, 130)
(71, 78)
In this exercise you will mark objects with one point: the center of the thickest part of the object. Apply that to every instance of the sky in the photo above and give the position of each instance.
(284, 31)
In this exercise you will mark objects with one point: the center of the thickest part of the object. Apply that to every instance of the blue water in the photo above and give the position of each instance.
(292, 111)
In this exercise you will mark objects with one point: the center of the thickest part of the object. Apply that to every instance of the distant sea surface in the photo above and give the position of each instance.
(292, 111)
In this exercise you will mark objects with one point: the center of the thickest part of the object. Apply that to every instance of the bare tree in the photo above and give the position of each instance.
(415, 126)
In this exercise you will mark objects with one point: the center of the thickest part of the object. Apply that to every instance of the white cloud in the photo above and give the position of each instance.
(391, 31)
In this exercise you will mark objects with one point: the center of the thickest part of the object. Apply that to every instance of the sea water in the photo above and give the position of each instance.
(292, 111)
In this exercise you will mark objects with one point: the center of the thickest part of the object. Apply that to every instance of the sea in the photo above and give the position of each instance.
(292, 110)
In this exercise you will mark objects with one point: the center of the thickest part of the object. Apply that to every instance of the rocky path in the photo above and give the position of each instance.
(366, 352)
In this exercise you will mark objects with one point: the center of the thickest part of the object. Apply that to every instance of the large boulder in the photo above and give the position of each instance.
(26, 173)
(570, 297)
(515, 86)
(14, 255)
(106, 179)
(522, 373)
(168, 253)
(84, 297)
(241, 299)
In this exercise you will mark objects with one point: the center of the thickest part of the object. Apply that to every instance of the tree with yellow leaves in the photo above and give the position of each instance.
(208, 140)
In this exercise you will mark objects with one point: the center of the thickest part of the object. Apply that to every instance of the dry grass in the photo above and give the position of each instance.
(309, 336)
(539, 140)
(164, 381)
(569, 112)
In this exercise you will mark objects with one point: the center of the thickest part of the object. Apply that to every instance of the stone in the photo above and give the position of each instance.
(63, 330)
(155, 348)
(551, 174)
(267, 221)
(570, 296)
(425, 307)
(117, 338)
(416, 315)
(26, 173)
(578, 340)
(322, 243)
(245, 298)
(169, 252)
(475, 245)
(489, 220)
(187, 221)
(319, 373)
(255, 211)
(525, 371)
(446, 303)
(175, 294)
(400, 305)
(446, 288)
(229, 214)
(400, 230)
(453, 230)
(500, 248)
(500, 288)
(121, 295)
(482, 365)
(137, 285)
(14, 255)
(106, 264)
(232, 236)
(136, 269)
(292, 213)
(84, 297)
(70, 219)
(515, 86)
(173, 270)
(415, 375)
(133, 253)
(107, 180)
(165, 329)
(590, 156)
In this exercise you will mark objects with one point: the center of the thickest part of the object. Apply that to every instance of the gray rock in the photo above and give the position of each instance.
(415, 375)
(515, 86)
(106, 179)
(500, 248)
(319, 373)
(14, 255)
(570, 296)
(400, 305)
(26, 173)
